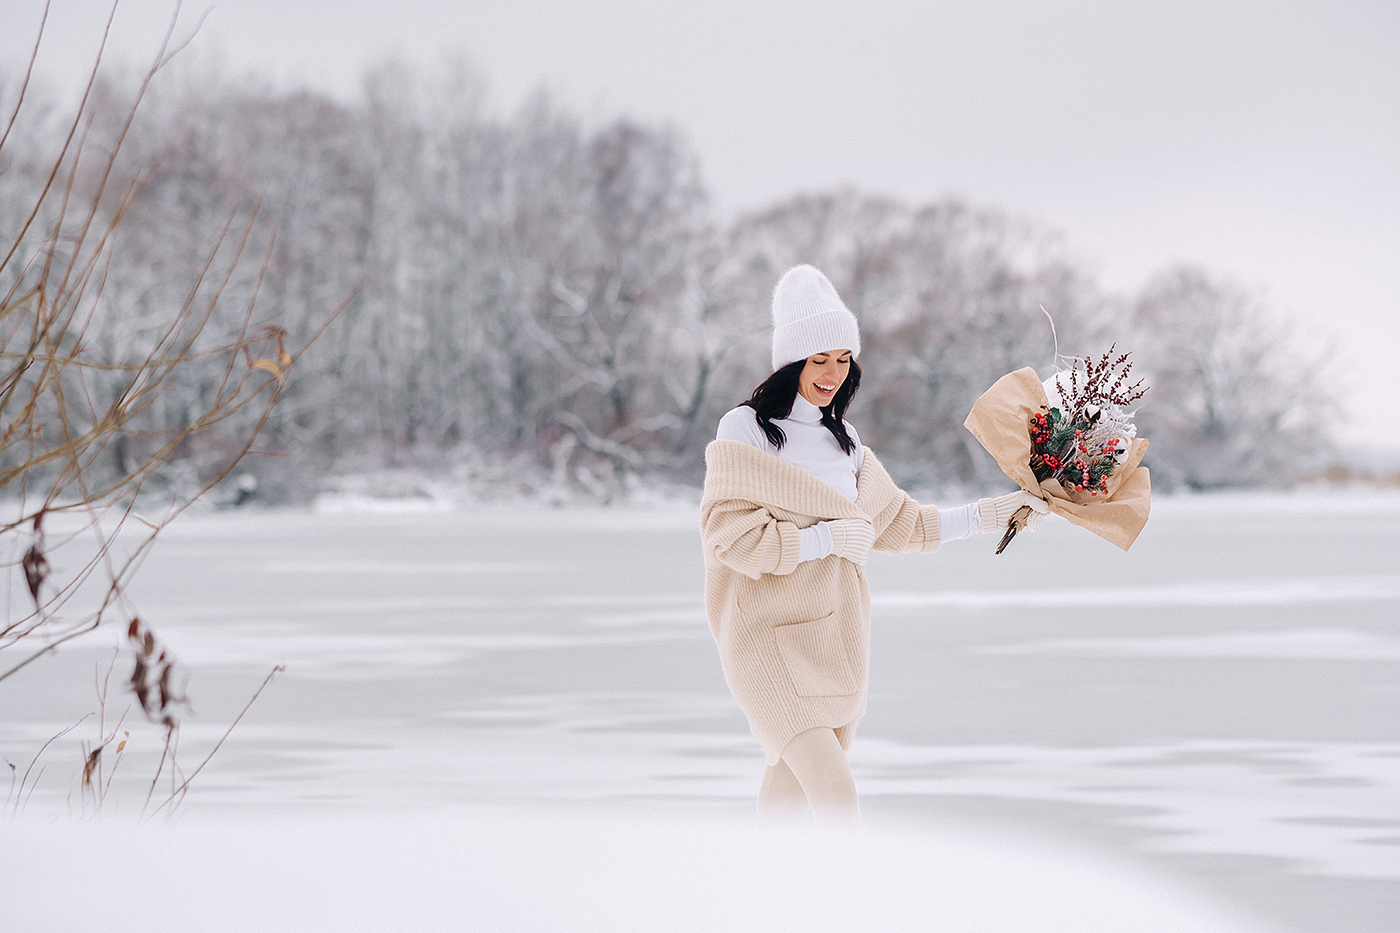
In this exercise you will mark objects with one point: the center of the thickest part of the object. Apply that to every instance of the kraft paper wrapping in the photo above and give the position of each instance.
(1000, 420)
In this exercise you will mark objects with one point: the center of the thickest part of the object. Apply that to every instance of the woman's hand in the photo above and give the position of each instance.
(852, 539)
(997, 512)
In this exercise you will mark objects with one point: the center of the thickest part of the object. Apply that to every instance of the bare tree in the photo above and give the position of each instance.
(1236, 400)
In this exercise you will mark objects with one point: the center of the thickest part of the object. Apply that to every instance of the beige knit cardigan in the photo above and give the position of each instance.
(794, 638)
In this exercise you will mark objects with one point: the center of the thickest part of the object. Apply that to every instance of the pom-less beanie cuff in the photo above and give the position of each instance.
(809, 317)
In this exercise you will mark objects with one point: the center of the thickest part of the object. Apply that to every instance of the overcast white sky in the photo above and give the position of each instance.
(1261, 139)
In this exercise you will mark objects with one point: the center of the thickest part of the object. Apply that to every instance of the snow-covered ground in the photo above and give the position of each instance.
(1215, 713)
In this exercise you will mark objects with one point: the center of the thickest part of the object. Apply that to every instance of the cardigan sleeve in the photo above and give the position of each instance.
(747, 539)
(904, 525)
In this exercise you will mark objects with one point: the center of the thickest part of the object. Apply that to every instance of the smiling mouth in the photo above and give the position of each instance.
(824, 390)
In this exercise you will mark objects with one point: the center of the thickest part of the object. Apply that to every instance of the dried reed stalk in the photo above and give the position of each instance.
(53, 435)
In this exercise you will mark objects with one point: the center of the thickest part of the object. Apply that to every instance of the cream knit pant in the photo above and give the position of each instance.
(813, 771)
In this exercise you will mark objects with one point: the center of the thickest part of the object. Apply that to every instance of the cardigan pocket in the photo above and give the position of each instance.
(815, 657)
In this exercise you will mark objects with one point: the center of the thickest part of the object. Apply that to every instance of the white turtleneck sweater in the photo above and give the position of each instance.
(810, 446)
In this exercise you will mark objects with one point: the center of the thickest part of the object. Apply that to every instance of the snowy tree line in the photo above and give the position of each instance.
(537, 300)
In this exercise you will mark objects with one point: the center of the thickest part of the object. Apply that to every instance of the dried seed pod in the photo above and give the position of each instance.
(90, 766)
(137, 683)
(36, 569)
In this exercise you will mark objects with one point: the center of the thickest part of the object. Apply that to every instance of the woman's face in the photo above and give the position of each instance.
(823, 375)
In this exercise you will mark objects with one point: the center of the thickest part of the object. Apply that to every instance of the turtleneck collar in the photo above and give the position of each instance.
(804, 411)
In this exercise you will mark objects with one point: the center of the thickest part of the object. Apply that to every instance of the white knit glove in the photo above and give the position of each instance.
(997, 512)
(852, 539)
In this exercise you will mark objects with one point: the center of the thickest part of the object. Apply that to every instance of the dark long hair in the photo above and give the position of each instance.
(773, 399)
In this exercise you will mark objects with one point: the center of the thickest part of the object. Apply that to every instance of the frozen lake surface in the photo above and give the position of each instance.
(1219, 707)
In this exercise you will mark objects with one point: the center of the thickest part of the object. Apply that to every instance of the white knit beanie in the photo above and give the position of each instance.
(809, 317)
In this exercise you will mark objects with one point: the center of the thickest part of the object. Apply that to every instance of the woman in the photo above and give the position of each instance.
(792, 506)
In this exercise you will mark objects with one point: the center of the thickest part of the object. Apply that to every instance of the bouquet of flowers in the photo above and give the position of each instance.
(1082, 433)
(1071, 440)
